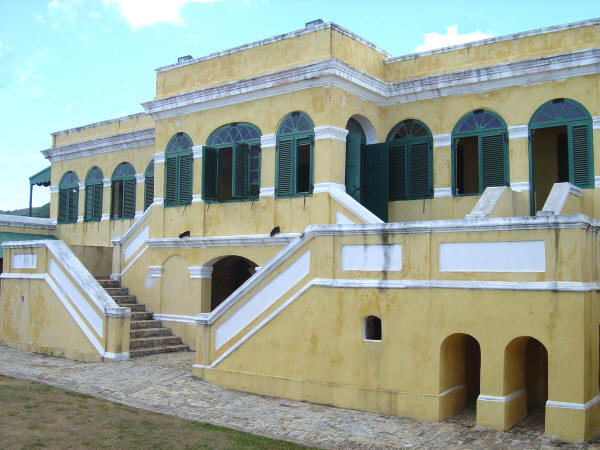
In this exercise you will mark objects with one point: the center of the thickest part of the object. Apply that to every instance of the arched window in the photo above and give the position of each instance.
(410, 161)
(149, 185)
(68, 198)
(294, 160)
(178, 170)
(372, 328)
(123, 192)
(93, 195)
(231, 163)
(479, 153)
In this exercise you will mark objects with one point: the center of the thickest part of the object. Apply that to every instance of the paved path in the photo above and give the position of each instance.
(163, 384)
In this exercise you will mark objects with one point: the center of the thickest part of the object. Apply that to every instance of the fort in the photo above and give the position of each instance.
(321, 221)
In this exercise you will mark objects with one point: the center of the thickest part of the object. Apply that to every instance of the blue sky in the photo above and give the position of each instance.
(66, 63)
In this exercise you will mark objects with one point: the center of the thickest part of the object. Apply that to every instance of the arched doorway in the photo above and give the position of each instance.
(560, 149)
(366, 167)
(526, 373)
(460, 367)
(228, 274)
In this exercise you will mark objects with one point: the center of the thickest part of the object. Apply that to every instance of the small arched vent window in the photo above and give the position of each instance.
(372, 328)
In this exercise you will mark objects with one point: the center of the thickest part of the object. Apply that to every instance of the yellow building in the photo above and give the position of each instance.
(321, 221)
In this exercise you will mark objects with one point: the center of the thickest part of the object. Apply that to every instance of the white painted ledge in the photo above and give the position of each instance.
(503, 399)
(520, 186)
(159, 158)
(558, 197)
(267, 192)
(442, 192)
(139, 177)
(197, 151)
(442, 140)
(330, 132)
(7, 220)
(155, 271)
(106, 182)
(268, 140)
(201, 272)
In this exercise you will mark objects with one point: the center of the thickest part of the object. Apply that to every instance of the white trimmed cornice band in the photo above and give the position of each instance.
(200, 271)
(7, 220)
(103, 145)
(334, 73)
(252, 240)
(331, 132)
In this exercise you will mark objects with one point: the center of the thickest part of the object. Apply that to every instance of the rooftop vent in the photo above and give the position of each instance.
(313, 23)
(184, 58)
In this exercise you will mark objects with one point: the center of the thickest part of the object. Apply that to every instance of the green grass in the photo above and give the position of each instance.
(34, 415)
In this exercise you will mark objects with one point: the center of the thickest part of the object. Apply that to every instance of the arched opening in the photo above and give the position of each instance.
(460, 367)
(372, 328)
(231, 163)
(526, 374)
(179, 170)
(479, 153)
(560, 149)
(228, 274)
(123, 192)
(93, 195)
(68, 198)
(149, 185)
(366, 167)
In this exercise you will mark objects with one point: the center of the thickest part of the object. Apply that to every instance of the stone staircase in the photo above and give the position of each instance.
(147, 336)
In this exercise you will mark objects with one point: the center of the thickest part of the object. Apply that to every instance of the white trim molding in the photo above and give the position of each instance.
(140, 177)
(518, 131)
(442, 140)
(197, 198)
(201, 272)
(558, 197)
(597, 181)
(79, 219)
(267, 192)
(596, 122)
(175, 318)
(197, 151)
(568, 405)
(105, 216)
(250, 240)
(54, 189)
(106, 182)
(442, 192)
(81, 185)
(123, 141)
(504, 399)
(155, 271)
(7, 220)
(452, 389)
(331, 132)
(520, 186)
(159, 158)
(268, 140)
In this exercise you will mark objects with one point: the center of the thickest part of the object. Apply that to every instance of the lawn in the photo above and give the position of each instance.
(35, 415)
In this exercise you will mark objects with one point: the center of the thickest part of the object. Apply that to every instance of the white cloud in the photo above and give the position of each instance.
(39, 18)
(141, 13)
(95, 15)
(452, 37)
(67, 8)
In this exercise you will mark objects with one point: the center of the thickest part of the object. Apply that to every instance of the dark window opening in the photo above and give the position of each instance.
(117, 204)
(550, 148)
(467, 166)
(224, 165)
(372, 328)
(303, 169)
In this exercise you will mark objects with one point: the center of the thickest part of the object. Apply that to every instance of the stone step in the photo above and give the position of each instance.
(107, 283)
(120, 299)
(135, 307)
(149, 332)
(154, 350)
(141, 324)
(154, 341)
(116, 291)
(147, 315)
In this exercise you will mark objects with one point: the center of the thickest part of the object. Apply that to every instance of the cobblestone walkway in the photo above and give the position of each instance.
(162, 383)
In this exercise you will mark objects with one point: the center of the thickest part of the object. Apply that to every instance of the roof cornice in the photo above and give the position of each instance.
(334, 73)
(102, 145)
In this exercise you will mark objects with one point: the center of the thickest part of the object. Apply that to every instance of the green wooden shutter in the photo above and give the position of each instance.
(171, 180)
(73, 202)
(376, 180)
(89, 202)
(353, 146)
(185, 179)
(62, 205)
(582, 169)
(254, 171)
(148, 191)
(209, 173)
(239, 180)
(493, 161)
(97, 210)
(397, 171)
(128, 199)
(285, 179)
(420, 185)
